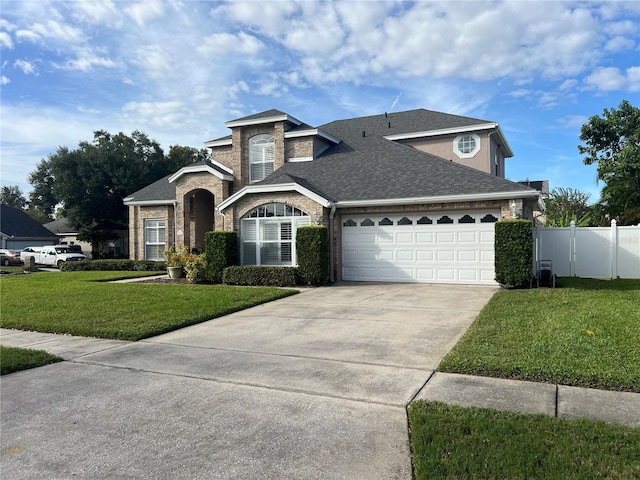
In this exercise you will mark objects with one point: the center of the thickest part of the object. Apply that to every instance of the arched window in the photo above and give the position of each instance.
(269, 234)
(261, 157)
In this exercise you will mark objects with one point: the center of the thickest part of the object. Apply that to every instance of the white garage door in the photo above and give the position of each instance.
(440, 247)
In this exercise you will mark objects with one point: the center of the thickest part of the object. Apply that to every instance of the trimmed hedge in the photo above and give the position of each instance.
(113, 265)
(221, 251)
(312, 250)
(261, 276)
(514, 253)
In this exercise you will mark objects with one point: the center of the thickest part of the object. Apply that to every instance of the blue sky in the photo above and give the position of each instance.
(178, 70)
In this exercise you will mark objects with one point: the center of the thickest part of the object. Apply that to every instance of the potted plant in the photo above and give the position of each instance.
(175, 260)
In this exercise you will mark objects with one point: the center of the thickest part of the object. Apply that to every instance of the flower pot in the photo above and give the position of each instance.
(174, 272)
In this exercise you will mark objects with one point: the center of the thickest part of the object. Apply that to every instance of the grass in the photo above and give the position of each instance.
(14, 359)
(477, 443)
(584, 333)
(84, 303)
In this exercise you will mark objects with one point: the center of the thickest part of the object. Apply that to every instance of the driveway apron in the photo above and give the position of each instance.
(310, 386)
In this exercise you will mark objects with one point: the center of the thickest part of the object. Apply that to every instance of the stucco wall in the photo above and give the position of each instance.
(444, 147)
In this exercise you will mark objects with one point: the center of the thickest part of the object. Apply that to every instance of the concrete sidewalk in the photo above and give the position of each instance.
(531, 397)
(465, 390)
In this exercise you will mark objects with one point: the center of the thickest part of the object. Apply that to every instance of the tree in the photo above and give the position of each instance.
(41, 197)
(91, 181)
(613, 142)
(13, 197)
(565, 205)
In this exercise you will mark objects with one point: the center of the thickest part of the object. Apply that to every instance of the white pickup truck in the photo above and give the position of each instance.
(51, 255)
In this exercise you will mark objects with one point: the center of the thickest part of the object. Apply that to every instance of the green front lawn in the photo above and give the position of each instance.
(84, 303)
(14, 359)
(477, 443)
(584, 333)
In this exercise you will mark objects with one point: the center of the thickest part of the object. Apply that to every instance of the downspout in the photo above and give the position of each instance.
(175, 223)
(332, 278)
(491, 169)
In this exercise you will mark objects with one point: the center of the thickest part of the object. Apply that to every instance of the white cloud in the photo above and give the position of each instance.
(271, 18)
(144, 12)
(568, 84)
(162, 114)
(5, 40)
(85, 61)
(220, 44)
(237, 88)
(58, 31)
(157, 61)
(4, 80)
(28, 35)
(572, 121)
(619, 44)
(104, 12)
(28, 68)
(7, 25)
(612, 78)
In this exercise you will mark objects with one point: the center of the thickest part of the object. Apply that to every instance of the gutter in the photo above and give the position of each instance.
(474, 197)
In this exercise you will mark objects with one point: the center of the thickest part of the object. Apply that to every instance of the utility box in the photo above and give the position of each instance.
(30, 263)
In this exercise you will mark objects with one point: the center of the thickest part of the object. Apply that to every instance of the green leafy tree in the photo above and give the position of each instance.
(91, 181)
(42, 201)
(565, 205)
(613, 142)
(13, 197)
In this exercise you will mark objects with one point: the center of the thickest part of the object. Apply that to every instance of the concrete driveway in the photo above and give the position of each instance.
(311, 386)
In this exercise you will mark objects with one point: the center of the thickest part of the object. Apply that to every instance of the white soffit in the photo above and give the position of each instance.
(284, 187)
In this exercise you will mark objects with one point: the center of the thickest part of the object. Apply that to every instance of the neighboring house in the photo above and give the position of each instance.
(118, 248)
(18, 230)
(408, 196)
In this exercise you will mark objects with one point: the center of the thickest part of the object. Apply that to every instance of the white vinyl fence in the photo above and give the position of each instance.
(589, 252)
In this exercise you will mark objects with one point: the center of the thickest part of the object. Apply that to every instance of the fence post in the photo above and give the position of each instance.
(572, 248)
(614, 249)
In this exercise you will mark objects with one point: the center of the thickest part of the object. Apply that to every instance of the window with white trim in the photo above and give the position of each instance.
(261, 157)
(466, 146)
(154, 239)
(269, 234)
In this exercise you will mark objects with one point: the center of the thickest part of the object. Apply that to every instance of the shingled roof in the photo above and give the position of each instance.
(17, 224)
(159, 192)
(367, 166)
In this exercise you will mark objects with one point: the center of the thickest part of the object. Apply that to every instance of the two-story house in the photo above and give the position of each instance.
(407, 197)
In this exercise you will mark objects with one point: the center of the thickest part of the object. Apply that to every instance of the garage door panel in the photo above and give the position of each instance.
(420, 252)
(385, 238)
(425, 238)
(406, 255)
(367, 255)
(447, 274)
(445, 237)
(425, 255)
(387, 255)
(350, 255)
(405, 237)
(445, 255)
(468, 256)
(469, 275)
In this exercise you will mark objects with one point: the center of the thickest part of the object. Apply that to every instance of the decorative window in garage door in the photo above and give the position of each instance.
(419, 219)
(488, 218)
(445, 219)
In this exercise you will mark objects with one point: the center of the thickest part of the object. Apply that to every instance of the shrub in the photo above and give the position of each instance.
(261, 276)
(514, 253)
(113, 265)
(312, 250)
(195, 267)
(221, 251)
